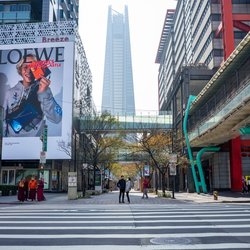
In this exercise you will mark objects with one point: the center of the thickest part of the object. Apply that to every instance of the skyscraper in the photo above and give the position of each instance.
(118, 88)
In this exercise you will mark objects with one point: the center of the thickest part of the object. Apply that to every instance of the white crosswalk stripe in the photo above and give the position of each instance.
(133, 227)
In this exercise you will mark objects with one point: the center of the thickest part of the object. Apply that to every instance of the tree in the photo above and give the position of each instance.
(157, 144)
(99, 145)
(127, 170)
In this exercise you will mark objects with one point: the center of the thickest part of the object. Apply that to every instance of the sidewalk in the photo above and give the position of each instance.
(223, 197)
(135, 196)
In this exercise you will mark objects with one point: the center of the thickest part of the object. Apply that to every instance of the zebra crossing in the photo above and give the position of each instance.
(176, 226)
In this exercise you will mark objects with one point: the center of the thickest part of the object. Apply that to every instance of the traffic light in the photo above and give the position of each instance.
(45, 136)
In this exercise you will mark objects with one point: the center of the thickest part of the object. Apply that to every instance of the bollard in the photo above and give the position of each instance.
(215, 193)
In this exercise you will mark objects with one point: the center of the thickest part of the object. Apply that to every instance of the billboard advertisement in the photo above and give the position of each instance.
(36, 82)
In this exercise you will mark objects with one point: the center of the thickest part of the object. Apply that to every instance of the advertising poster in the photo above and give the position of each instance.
(146, 170)
(36, 82)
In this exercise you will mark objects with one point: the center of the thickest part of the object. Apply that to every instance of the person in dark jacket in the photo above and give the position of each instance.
(121, 184)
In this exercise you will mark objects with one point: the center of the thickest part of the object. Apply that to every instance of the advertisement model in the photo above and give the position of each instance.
(37, 89)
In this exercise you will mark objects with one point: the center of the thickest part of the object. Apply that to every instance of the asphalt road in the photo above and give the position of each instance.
(102, 223)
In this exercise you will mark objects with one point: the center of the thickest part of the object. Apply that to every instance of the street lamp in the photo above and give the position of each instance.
(75, 149)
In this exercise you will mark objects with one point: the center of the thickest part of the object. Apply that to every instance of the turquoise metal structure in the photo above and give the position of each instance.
(190, 155)
(202, 182)
(199, 181)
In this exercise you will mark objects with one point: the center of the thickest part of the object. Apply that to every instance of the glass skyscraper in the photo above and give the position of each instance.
(118, 87)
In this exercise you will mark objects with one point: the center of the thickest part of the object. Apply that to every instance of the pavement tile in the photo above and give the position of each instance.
(136, 198)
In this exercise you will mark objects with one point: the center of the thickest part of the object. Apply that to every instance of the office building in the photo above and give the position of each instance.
(23, 11)
(196, 37)
(46, 26)
(118, 89)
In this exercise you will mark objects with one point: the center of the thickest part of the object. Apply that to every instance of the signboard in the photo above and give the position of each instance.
(173, 158)
(172, 169)
(98, 177)
(146, 170)
(47, 69)
(42, 157)
(45, 137)
(72, 179)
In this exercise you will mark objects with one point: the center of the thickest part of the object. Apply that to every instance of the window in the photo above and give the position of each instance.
(23, 7)
(13, 7)
(8, 177)
(20, 7)
(5, 177)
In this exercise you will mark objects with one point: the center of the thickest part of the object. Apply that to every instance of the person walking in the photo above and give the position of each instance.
(244, 185)
(26, 189)
(20, 195)
(128, 188)
(145, 186)
(40, 187)
(32, 188)
(121, 184)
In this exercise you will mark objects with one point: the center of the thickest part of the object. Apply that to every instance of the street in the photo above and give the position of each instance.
(101, 223)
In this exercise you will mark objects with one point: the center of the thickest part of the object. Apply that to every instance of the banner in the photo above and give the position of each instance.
(36, 89)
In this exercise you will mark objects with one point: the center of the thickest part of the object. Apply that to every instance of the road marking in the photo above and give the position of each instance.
(129, 213)
(121, 236)
(134, 247)
(125, 227)
(97, 216)
(123, 222)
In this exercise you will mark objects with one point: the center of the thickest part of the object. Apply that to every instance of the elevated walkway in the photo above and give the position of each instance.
(131, 124)
(222, 109)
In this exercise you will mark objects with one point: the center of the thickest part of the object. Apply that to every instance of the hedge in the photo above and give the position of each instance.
(7, 188)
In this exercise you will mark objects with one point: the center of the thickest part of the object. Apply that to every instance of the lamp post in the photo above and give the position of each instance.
(75, 151)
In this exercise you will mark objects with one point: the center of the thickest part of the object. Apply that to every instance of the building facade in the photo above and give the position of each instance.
(191, 49)
(23, 11)
(118, 87)
(36, 23)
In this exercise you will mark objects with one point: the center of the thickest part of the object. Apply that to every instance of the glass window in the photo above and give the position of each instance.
(13, 7)
(11, 177)
(5, 177)
(8, 177)
(24, 7)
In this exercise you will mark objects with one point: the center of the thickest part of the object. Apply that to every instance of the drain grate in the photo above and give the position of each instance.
(172, 241)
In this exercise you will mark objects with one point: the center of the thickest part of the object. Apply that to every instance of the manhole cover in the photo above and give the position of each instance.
(171, 241)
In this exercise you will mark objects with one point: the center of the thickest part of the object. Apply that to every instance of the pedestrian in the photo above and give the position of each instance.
(121, 184)
(248, 183)
(32, 188)
(26, 189)
(145, 186)
(40, 187)
(20, 195)
(244, 185)
(128, 188)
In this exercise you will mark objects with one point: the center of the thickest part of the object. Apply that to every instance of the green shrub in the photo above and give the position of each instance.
(7, 188)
